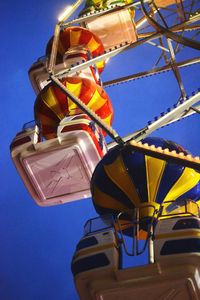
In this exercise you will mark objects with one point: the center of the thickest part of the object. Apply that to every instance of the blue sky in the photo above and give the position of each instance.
(37, 243)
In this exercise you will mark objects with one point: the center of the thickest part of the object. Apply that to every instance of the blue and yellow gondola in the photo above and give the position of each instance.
(125, 179)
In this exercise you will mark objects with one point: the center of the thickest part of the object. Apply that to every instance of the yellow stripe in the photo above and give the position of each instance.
(118, 174)
(100, 64)
(52, 103)
(95, 249)
(154, 172)
(147, 209)
(74, 88)
(96, 101)
(75, 37)
(186, 181)
(108, 119)
(106, 201)
(184, 233)
(185, 210)
(93, 45)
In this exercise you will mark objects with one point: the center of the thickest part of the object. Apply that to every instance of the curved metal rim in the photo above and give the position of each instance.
(168, 33)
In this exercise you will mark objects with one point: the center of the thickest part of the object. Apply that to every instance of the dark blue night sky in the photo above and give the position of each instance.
(37, 244)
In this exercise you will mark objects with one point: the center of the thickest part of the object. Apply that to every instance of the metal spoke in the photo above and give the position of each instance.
(155, 71)
(175, 68)
(108, 129)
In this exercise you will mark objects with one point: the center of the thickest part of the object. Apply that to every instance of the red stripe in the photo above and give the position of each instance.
(102, 92)
(47, 129)
(85, 37)
(72, 80)
(105, 111)
(41, 108)
(88, 89)
(61, 99)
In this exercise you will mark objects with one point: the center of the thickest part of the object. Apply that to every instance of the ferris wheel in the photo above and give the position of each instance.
(135, 181)
(170, 26)
(67, 82)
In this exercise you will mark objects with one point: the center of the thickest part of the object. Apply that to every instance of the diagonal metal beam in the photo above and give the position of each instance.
(169, 33)
(112, 52)
(108, 129)
(155, 71)
(54, 50)
(101, 12)
(175, 68)
(168, 117)
(181, 111)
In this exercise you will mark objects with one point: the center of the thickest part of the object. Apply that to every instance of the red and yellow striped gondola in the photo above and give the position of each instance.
(52, 105)
(76, 36)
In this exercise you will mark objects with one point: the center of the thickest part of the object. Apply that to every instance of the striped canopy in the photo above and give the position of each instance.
(52, 105)
(125, 179)
(78, 36)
